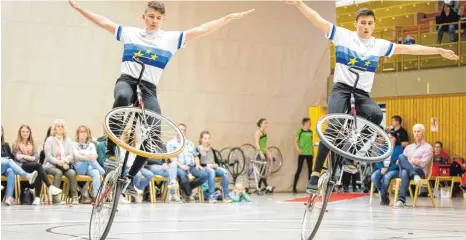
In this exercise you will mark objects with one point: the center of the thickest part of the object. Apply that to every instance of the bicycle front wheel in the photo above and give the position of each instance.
(144, 133)
(104, 207)
(315, 208)
(277, 159)
(354, 138)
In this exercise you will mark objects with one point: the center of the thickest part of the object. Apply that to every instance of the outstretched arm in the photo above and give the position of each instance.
(423, 50)
(95, 18)
(212, 26)
(312, 15)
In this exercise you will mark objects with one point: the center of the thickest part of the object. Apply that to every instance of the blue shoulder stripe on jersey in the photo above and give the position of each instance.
(332, 34)
(180, 40)
(118, 33)
(350, 58)
(389, 50)
(157, 57)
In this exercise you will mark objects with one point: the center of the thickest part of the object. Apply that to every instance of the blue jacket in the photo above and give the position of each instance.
(397, 150)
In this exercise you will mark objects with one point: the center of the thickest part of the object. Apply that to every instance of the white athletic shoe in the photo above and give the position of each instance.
(417, 180)
(32, 177)
(36, 201)
(54, 190)
(123, 200)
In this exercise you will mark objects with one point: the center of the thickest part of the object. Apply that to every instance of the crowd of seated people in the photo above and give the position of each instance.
(66, 157)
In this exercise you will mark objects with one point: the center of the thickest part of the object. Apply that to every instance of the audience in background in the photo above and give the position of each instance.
(439, 155)
(414, 162)
(447, 16)
(10, 169)
(209, 161)
(59, 158)
(168, 170)
(85, 156)
(25, 152)
(386, 171)
(188, 164)
(402, 138)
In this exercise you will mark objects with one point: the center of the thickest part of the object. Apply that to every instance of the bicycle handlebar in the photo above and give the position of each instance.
(143, 67)
(352, 70)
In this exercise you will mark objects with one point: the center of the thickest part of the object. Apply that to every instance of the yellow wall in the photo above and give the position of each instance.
(449, 109)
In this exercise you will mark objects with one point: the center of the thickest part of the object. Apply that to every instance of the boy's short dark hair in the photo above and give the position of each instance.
(364, 12)
(439, 143)
(397, 118)
(157, 6)
(305, 120)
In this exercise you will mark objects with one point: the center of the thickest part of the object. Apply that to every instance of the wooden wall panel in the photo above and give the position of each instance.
(449, 109)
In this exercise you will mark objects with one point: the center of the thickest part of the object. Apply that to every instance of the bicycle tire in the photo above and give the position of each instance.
(137, 151)
(280, 157)
(340, 116)
(116, 198)
(236, 167)
(329, 190)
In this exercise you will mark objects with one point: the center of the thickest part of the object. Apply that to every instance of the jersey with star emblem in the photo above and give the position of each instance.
(350, 50)
(156, 47)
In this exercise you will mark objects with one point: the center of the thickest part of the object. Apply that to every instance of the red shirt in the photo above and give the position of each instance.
(442, 154)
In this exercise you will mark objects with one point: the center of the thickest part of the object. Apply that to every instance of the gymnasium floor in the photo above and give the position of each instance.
(267, 217)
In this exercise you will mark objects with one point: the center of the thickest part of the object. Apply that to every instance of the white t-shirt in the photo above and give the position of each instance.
(350, 50)
(159, 46)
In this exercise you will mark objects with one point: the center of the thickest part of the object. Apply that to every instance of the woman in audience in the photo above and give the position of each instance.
(85, 156)
(447, 16)
(209, 161)
(264, 153)
(386, 171)
(10, 169)
(25, 153)
(59, 158)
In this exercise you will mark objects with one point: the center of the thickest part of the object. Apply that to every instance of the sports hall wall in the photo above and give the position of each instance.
(272, 64)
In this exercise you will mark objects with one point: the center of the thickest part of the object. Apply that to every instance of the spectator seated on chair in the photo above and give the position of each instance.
(209, 161)
(10, 169)
(188, 163)
(439, 155)
(59, 159)
(139, 183)
(447, 16)
(350, 174)
(168, 170)
(414, 162)
(386, 171)
(85, 156)
(26, 156)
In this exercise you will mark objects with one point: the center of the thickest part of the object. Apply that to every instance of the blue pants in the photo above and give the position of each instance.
(186, 186)
(217, 172)
(170, 173)
(137, 179)
(93, 169)
(10, 169)
(382, 182)
(408, 171)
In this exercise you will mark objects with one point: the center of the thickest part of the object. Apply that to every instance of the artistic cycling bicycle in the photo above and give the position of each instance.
(138, 131)
(347, 136)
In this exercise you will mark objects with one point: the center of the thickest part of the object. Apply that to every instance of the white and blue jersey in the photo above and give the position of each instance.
(158, 47)
(350, 50)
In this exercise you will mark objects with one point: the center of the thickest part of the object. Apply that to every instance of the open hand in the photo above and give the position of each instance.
(449, 54)
(240, 15)
(73, 4)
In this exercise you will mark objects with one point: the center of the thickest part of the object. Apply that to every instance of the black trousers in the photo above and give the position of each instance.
(30, 167)
(338, 102)
(125, 95)
(301, 159)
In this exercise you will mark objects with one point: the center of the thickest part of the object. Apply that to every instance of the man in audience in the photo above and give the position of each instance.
(414, 162)
(400, 133)
(188, 164)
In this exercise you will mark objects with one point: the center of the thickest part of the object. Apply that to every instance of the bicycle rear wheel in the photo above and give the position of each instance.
(277, 159)
(359, 140)
(315, 208)
(105, 206)
(144, 133)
